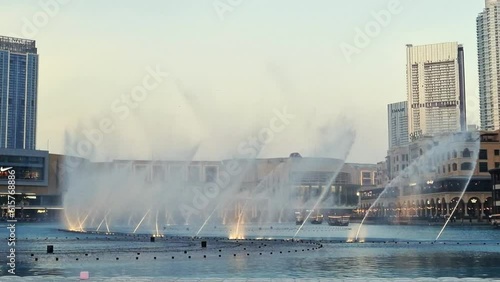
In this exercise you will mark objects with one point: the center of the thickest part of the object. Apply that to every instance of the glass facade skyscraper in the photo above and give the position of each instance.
(488, 26)
(18, 93)
(397, 114)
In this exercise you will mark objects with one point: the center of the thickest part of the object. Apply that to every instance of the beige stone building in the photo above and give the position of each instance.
(430, 181)
(295, 182)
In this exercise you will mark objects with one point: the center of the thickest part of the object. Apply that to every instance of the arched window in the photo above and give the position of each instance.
(466, 166)
(455, 167)
(454, 154)
(466, 153)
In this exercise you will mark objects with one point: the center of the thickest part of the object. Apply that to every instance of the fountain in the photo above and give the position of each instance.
(128, 196)
(424, 167)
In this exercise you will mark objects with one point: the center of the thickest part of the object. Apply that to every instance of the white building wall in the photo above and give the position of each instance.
(433, 88)
(489, 64)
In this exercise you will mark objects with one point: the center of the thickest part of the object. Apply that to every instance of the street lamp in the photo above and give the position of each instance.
(359, 202)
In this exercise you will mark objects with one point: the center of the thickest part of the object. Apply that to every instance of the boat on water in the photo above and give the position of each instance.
(495, 220)
(299, 220)
(318, 219)
(337, 220)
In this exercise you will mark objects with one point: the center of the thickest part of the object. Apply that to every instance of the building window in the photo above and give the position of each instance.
(449, 167)
(466, 153)
(210, 173)
(466, 166)
(193, 173)
(497, 165)
(483, 167)
(158, 173)
(483, 154)
(497, 152)
(176, 173)
(454, 154)
(455, 167)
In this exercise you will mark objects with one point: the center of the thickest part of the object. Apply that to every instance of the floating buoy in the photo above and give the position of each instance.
(84, 275)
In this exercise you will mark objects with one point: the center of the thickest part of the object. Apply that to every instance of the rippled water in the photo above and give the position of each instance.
(389, 252)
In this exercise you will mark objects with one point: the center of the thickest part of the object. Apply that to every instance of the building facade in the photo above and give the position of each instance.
(437, 171)
(397, 116)
(495, 181)
(38, 191)
(271, 189)
(488, 27)
(436, 89)
(397, 160)
(18, 93)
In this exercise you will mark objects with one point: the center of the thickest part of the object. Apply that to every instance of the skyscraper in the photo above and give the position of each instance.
(18, 93)
(488, 27)
(436, 89)
(397, 115)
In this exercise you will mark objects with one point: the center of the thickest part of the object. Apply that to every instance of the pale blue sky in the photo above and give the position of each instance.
(227, 76)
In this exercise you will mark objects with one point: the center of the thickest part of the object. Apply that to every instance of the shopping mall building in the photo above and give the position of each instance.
(457, 174)
(392, 188)
(42, 179)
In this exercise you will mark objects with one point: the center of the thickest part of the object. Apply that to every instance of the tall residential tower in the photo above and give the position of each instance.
(488, 27)
(436, 89)
(397, 115)
(18, 93)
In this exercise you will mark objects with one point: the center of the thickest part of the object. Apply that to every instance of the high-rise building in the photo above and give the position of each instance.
(397, 116)
(18, 93)
(488, 27)
(436, 89)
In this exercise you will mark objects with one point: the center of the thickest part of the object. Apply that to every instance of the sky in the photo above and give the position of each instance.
(204, 79)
